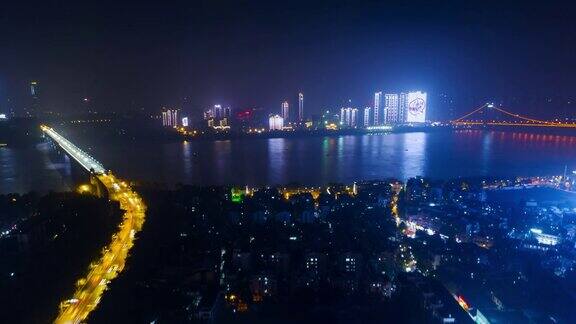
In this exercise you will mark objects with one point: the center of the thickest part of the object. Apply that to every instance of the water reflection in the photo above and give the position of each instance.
(486, 152)
(327, 147)
(413, 155)
(30, 168)
(277, 160)
(186, 156)
(313, 160)
(7, 166)
(223, 162)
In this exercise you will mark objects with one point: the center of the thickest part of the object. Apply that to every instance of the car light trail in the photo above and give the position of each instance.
(90, 288)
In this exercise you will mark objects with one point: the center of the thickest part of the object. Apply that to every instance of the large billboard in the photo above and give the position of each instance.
(416, 107)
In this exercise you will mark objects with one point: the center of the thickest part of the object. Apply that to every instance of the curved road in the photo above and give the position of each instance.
(89, 289)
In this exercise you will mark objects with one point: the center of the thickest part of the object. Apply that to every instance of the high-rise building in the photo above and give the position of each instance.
(185, 121)
(33, 108)
(405, 107)
(402, 107)
(349, 117)
(175, 120)
(170, 117)
(209, 114)
(416, 107)
(391, 108)
(217, 111)
(276, 122)
(300, 107)
(367, 116)
(377, 107)
(285, 111)
(218, 115)
(34, 88)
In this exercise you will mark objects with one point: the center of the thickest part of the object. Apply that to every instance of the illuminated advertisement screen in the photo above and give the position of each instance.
(416, 107)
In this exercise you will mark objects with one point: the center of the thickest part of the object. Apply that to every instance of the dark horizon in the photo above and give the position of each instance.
(143, 55)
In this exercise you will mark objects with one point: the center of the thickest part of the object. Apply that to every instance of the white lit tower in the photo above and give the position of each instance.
(367, 116)
(175, 117)
(170, 117)
(402, 107)
(349, 117)
(354, 118)
(377, 107)
(275, 122)
(300, 107)
(391, 108)
(285, 111)
(34, 104)
(218, 112)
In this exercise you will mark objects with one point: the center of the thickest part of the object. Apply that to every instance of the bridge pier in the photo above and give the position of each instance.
(101, 190)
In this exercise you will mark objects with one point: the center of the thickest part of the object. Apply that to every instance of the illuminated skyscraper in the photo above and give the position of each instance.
(209, 114)
(405, 107)
(416, 107)
(402, 107)
(218, 115)
(300, 107)
(349, 117)
(377, 107)
(391, 108)
(285, 111)
(174, 117)
(32, 110)
(367, 116)
(34, 88)
(170, 117)
(276, 122)
(217, 112)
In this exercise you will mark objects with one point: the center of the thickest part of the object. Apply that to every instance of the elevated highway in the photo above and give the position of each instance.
(83, 158)
(90, 289)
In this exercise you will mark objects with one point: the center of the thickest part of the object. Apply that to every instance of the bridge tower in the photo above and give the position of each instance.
(488, 114)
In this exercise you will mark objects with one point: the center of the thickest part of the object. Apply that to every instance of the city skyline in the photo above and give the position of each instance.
(326, 161)
(395, 113)
(468, 52)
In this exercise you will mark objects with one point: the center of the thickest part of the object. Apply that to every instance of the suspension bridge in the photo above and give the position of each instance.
(490, 115)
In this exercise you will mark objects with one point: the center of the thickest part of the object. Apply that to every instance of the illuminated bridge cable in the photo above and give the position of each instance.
(520, 120)
(471, 113)
(524, 118)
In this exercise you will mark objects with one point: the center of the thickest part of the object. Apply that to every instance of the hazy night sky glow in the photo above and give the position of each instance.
(258, 53)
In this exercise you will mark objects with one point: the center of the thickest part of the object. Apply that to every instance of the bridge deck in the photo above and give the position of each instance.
(85, 160)
(90, 288)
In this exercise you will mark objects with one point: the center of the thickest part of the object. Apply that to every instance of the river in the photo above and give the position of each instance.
(306, 160)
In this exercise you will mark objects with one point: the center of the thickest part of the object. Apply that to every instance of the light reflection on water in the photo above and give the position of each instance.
(321, 160)
(276, 159)
(31, 169)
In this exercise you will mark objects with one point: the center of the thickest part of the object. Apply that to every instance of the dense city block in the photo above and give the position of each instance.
(423, 251)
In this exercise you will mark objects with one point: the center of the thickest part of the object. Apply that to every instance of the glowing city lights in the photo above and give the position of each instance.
(90, 288)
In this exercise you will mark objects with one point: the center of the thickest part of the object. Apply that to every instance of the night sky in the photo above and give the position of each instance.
(256, 53)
